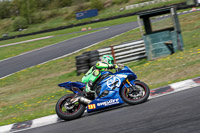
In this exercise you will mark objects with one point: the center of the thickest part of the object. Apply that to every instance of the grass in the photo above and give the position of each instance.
(62, 20)
(33, 92)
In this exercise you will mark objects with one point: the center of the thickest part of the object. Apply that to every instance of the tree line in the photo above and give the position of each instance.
(9, 8)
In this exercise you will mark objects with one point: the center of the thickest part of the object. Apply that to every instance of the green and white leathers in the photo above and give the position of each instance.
(107, 62)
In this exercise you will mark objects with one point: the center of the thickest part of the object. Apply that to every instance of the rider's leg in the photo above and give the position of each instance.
(93, 77)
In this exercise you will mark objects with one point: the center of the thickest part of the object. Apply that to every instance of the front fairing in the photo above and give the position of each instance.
(106, 72)
(109, 82)
(127, 71)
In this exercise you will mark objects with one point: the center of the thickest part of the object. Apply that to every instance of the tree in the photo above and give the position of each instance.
(43, 4)
(19, 23)
(64, 3)
(26, 8)
(5, 7)
(96, 4)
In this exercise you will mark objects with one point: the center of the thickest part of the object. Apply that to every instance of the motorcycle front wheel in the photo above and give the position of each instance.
(135, 97)
(67, 111)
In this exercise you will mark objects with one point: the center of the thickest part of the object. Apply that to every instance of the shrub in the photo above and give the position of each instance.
(81, 7)
(118, 2)
(19, 23)
(96, 4)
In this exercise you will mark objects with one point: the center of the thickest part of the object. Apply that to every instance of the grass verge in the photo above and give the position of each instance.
(33, 92)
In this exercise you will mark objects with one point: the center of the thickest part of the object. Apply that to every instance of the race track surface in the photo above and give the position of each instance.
(29, 59)
(174, 113)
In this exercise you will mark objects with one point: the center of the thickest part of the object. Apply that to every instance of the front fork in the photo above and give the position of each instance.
(132, 87)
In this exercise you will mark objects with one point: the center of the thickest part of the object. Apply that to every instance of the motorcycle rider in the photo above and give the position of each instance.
(107, 62)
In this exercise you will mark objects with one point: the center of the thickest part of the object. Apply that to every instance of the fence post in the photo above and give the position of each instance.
(113, 53)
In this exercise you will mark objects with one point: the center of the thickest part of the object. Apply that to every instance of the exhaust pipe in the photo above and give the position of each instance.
(84, 100)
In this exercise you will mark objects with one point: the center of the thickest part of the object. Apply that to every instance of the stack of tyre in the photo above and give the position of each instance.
(85, 61)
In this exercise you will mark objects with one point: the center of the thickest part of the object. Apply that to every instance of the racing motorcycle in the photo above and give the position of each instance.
(110, 89)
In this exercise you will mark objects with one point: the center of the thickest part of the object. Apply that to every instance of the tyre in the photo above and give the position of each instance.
(82, 57)
(86, 53)
(94, 52)
(94, 59)
(82, 62)
(91, 55)
(68, 112)
(83, 68)
(136, 97)
(94, 55)
(82, 71)
(93, 63)
(82, 65)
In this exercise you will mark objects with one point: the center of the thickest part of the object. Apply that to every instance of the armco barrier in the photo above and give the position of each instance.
(126, 52)
(145, 4)
(122, 53)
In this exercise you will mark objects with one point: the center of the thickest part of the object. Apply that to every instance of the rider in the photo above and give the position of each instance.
(107, 62)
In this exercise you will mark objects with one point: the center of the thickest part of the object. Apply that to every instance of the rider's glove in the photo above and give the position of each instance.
(112, 66)
(116, 66)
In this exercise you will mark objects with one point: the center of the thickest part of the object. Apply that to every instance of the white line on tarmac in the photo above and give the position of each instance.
(36, 39)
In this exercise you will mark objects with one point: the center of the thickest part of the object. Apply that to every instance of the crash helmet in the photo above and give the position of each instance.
(108, 59)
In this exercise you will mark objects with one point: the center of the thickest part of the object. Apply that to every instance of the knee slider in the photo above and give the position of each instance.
(90, 83)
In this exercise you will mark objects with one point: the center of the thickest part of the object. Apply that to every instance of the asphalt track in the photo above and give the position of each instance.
(29, 59)
(174, 113)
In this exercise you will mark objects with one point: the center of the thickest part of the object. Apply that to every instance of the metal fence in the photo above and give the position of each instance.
(145, 4)
(126, 52)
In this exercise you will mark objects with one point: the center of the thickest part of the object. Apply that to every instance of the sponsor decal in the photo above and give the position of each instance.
(108, 103)
(91, 106)
(122, 76)
(113, 81)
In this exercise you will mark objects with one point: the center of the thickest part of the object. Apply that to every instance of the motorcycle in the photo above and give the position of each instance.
(110, 89)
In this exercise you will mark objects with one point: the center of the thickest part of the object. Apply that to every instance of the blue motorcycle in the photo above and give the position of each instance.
(110, 89)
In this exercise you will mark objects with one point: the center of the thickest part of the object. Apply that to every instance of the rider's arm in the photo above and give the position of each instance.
(100, 65)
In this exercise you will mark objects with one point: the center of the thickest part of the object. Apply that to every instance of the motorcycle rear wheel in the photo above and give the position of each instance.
(136, 97)
(73, 112)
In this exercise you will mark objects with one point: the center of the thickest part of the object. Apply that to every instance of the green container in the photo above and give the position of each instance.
(156, 46)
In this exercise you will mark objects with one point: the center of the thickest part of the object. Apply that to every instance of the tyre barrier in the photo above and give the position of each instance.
(85, 61)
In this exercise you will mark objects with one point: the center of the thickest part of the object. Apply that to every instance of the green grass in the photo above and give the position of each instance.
(33, 92)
